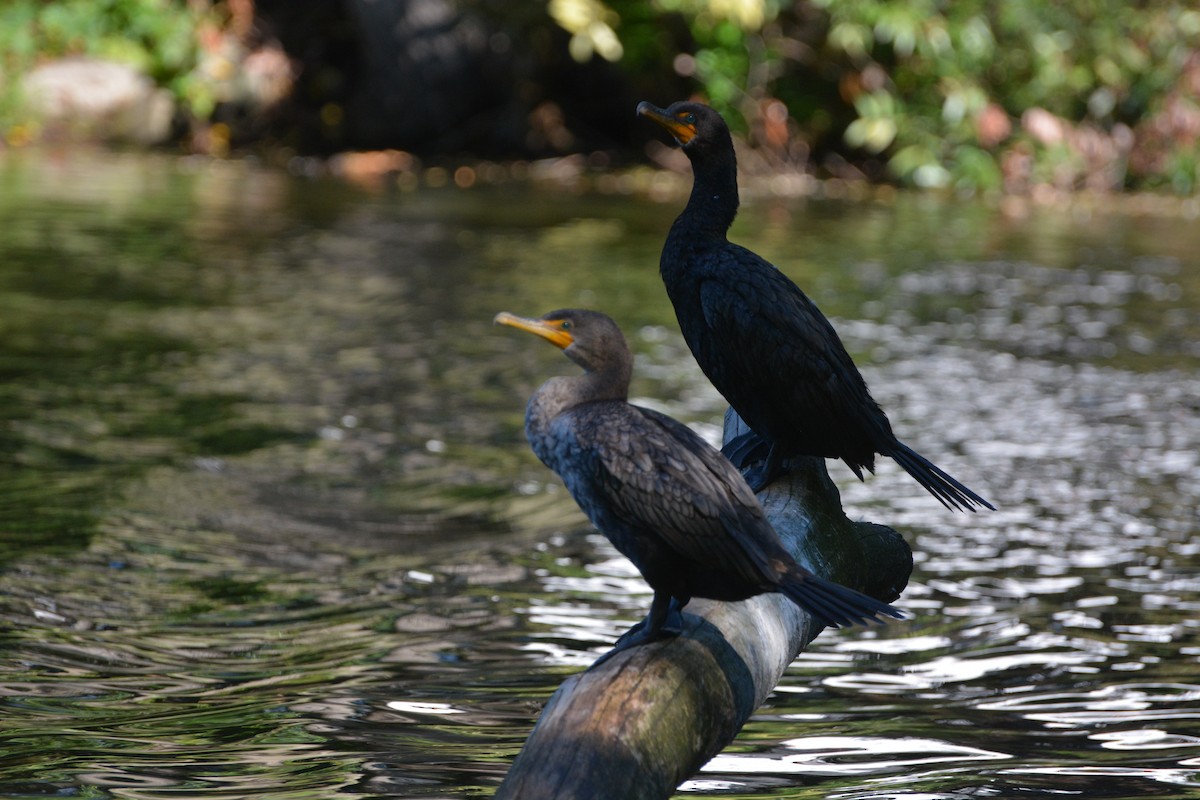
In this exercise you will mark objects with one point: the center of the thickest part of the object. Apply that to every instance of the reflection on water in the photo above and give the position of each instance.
(851, 755)
(270, 529)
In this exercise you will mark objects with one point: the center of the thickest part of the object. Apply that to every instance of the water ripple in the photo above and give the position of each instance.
(1174, 777)
(1121, 704)
(849, 755)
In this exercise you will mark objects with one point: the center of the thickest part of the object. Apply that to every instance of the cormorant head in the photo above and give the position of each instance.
(698, 129)
(590, 339)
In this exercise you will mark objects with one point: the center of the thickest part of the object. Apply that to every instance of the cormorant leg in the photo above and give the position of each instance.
(656, 620)
(760, 476)
(664, 621)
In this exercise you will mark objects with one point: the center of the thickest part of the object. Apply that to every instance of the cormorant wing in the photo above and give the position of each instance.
(660, 477)
(768, 329)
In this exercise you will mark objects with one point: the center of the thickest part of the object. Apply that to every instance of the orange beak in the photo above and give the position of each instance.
(549, 329)
(683, 131)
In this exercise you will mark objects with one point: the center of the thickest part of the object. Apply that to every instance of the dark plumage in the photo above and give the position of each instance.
(761, 341)
(667, 500)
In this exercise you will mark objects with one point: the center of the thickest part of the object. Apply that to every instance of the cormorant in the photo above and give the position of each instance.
(671, 503)
(761, 341)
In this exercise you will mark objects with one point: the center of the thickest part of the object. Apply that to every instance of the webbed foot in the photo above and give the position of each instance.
(664, 621)
(761, 475)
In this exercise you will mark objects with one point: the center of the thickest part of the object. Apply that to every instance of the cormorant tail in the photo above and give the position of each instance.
(833, 604)
(949, 492)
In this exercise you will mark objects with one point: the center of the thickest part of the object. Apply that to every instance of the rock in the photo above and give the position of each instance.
(84, 98)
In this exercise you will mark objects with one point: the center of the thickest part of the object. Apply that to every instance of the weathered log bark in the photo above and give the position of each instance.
(641, 723)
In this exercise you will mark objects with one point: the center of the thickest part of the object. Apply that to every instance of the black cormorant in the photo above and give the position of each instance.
(761, 341)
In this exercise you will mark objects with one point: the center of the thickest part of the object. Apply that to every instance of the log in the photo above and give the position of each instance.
(637, 725)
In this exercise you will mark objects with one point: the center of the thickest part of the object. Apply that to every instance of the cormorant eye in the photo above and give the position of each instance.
(566, 325)
(689, 118)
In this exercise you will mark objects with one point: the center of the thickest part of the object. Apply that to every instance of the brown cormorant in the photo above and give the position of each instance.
(761, 341)
(672, 504)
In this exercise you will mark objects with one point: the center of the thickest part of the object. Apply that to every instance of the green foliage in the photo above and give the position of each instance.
(913, 82)
(156, 36)
(1099, 63)
(728, 43)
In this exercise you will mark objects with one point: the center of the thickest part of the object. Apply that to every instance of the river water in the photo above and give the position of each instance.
(269, 527)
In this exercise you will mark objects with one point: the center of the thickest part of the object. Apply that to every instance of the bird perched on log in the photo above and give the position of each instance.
(672, 504)
(761, 341)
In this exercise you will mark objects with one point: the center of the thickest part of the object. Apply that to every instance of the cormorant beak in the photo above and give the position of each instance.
(553, 330)
(679, 126)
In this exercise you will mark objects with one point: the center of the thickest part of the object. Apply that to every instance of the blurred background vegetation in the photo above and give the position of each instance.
(1019, 96)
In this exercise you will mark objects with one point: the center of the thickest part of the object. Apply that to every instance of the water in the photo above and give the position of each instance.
(269, 527)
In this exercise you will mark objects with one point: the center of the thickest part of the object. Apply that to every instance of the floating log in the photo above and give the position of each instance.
(645, 720)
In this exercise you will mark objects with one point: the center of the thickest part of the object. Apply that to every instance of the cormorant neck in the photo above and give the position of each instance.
(714, 200)
(564, 392)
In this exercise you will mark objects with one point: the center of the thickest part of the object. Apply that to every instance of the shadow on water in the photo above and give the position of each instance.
(269, 527)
